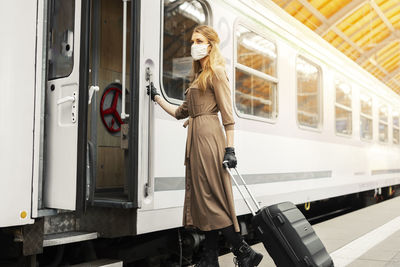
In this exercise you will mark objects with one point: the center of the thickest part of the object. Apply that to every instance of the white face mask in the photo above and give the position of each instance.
(199, 51)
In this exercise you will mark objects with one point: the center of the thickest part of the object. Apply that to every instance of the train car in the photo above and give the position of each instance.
(92, 169)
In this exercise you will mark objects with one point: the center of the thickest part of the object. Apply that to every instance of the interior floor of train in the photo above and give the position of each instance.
(363, 238)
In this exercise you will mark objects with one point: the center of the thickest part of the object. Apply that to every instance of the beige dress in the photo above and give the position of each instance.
(209, 201)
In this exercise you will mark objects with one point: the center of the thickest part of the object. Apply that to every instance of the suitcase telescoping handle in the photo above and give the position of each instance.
(225, 163)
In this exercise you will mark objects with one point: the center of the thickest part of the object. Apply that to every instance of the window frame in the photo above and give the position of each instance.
(383, 122)
(320, 97)
(73, 45)
(336, 104)
(394, 127)
(371, 117)
(263, 33)
(208, 21)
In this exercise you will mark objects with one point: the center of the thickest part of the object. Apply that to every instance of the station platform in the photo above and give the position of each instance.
(368, 237)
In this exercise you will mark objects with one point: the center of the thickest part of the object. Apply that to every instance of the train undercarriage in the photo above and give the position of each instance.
(170, 248)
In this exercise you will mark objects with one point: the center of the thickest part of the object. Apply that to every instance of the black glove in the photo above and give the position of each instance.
(152, 90)
(230, 157)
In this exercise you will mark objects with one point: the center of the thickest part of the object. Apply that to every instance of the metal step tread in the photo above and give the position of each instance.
(98, 263)
(113, 203)
(67, 237)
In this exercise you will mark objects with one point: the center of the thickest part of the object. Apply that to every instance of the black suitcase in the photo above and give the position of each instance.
(286, 234)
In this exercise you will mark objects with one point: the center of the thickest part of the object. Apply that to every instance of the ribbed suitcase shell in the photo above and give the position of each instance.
(289, 238)
(286, 234)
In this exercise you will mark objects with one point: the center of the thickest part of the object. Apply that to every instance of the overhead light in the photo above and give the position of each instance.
(260, 45)
(191, 10)
(373, 61)
(366, 99)
(305, 68)
(346, 89)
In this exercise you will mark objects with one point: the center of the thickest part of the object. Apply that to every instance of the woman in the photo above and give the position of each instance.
(209, 204)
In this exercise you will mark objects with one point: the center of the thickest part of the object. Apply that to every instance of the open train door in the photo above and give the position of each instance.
(62, 97)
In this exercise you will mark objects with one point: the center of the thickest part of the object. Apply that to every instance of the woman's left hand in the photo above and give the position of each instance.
(230, 157)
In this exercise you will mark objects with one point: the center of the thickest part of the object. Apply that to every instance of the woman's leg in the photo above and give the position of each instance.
(245, 255)
(209, 257)
(232, 237)
(211, 241)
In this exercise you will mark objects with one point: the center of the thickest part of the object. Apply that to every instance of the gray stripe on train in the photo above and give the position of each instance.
(178, 183)
(387, 171)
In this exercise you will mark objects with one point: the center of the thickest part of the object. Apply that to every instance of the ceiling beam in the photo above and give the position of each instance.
(381, 69)
(348, 40)
(391, 75)
(330, 24)
(339, 16)
(287, 3)
(388, 55)
(322, 18)
(396, 82)
(382, 16)
(313, 10)
(391, 38)
(386, 74)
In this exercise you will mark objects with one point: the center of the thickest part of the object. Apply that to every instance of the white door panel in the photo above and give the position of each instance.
(62, 106)
(17, 106)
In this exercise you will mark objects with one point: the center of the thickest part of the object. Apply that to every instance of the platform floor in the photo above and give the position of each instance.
(369, 237)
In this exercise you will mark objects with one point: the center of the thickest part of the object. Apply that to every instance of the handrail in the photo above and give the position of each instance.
(123, 114)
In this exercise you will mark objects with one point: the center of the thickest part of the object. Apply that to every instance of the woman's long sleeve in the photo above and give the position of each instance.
(223, 97)
(182, 111)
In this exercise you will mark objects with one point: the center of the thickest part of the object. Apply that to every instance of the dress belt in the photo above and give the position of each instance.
(190, 129)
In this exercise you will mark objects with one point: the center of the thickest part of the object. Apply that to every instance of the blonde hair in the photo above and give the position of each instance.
(214, 58)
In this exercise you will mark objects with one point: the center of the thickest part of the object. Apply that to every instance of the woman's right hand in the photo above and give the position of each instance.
(152, 91)
(155, 96)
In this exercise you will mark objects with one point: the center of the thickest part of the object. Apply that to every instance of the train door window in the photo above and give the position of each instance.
(366, 124)
(343, 108)
(309, 106)
(255, 75)
(61, 38)
(383, 124)
(396, 129)
(180, 18)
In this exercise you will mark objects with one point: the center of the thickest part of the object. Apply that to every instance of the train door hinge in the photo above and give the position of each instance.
(125, 136)
(146, 190)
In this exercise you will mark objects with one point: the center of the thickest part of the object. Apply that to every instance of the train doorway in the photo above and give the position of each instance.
(111, 152)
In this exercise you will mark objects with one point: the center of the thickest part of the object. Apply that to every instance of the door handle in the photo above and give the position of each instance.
(66, 99)
(71, 99)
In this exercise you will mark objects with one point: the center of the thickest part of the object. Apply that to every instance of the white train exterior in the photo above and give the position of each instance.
(49, 169)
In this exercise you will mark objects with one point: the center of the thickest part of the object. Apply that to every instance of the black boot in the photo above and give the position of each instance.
(246, 256)
(208, 259)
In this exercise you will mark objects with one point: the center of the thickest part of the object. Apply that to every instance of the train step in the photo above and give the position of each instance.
(68, 237)
(98, 263)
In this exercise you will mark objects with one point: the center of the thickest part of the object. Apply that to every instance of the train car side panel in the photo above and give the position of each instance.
(17, 74)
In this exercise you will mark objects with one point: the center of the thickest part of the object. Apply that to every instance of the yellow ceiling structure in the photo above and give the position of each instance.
(367, 31)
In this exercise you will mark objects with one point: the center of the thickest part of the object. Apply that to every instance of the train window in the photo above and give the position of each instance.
(383, 124)
(308, 93)
(256, 75)
(180, 18)
(343, 108)
(366, 125)
(61, 38)
(396, 129)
